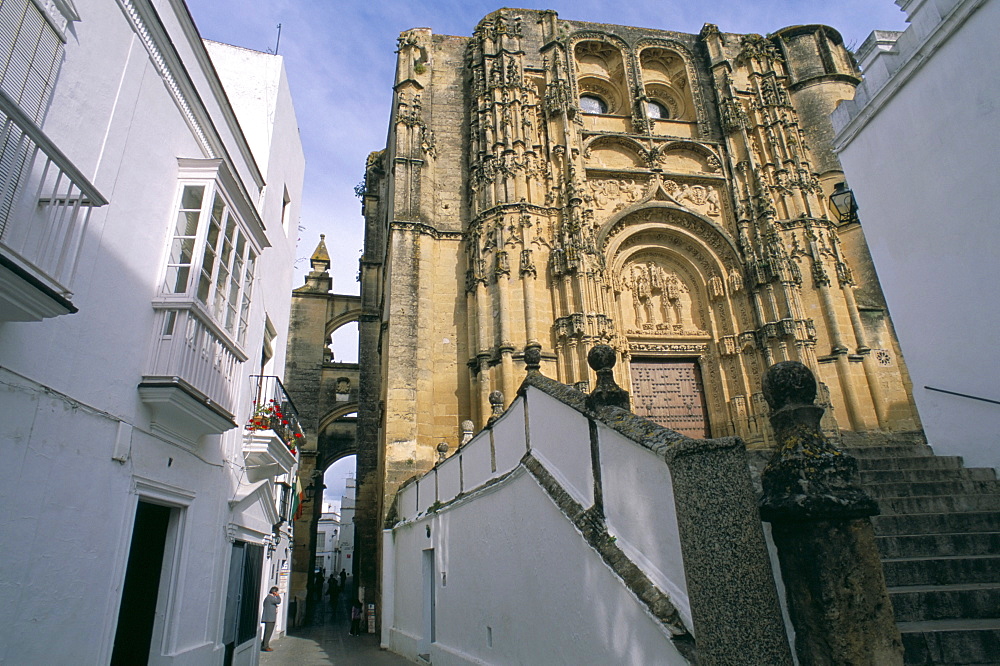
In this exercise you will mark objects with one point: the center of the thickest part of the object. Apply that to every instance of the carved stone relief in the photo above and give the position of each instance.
(656, 298)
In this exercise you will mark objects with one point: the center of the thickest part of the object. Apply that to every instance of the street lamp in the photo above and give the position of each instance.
(842, 201)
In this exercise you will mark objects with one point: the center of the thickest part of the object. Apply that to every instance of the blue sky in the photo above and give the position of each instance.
(340, 58)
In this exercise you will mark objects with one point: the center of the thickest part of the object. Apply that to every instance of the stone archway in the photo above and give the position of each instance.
(326, 393)
(679, 312)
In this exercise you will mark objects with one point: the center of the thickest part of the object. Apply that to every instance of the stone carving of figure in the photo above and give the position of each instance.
(713, 201)
(640, 295)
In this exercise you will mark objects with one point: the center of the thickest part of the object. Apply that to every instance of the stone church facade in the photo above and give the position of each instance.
(560, 184)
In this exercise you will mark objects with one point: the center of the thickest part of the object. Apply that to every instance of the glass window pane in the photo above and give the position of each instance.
(213, 234)
(192, 196)
(181, 251)
(227, 251)
(657, 111)
(592, 104)
(204, 284)
(168, 323)
(187, 223)
(181, 282)
(177, 279)
(218, 206)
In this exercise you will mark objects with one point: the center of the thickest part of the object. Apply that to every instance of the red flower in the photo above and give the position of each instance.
(284, 422)
(298, 434)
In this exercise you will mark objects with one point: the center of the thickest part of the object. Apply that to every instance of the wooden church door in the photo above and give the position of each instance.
(670, 392)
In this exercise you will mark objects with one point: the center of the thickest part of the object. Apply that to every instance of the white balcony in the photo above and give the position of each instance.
(193, 365)
(273, 433)
(45, 204)
(266, 455)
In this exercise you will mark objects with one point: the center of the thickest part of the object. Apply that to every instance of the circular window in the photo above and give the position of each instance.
(657, 110)
(592, 104)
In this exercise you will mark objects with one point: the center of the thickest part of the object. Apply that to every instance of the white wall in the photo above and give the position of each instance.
(510, 565)
(68, 384)
(919, 147)
(543, 576)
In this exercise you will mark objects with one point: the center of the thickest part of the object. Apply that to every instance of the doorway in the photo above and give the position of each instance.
(670, 392)
(137, 614)
(428, 577)
(243, 597)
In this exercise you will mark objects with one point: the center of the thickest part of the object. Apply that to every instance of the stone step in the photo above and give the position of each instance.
(939, 504)
(974, 601)
(860, 440)
(965, 642)
(910, 462)
(872, 476)
(931, 545)
(936, 523)
(956, 569)
(933, 488)
(890, 451)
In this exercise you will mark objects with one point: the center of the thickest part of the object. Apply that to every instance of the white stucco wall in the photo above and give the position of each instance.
(510, 566)
(919, 147)
(68, 384)
(543, 576)
(638, 493)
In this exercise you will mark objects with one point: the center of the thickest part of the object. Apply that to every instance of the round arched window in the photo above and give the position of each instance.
(592, 104)
(657, 110)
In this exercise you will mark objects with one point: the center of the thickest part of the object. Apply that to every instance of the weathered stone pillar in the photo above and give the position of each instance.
(821, 526)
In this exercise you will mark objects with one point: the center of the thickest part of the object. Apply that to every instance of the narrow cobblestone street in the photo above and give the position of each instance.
(328, 641)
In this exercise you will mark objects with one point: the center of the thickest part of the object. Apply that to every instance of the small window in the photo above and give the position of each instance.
(657, 111)
(286, 210)
(592, 104)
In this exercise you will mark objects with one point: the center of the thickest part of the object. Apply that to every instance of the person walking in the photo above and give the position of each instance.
(334, 591)
(355, 618)
(269, 616)
(343, 578)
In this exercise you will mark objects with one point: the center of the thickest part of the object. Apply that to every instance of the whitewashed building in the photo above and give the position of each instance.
(348, 505)
(919, 147)
(328, 541)
(149, 192)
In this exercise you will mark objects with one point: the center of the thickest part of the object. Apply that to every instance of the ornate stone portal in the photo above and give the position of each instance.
(554, 185)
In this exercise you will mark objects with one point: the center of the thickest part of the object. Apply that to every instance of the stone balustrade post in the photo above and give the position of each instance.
(820, 519)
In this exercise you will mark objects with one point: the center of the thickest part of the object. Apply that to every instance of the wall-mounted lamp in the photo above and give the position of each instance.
(844, 204)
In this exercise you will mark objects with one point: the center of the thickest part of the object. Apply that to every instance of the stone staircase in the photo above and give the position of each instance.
(939, 536)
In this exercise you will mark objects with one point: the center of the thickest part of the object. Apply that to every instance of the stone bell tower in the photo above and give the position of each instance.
(556, 184)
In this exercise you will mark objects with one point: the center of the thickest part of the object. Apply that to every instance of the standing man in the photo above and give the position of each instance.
(268, 616)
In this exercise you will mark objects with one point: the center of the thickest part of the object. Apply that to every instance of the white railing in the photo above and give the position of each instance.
(45, 201)
(190, 346)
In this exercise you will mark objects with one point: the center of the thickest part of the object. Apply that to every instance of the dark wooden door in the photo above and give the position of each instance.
(670, 393)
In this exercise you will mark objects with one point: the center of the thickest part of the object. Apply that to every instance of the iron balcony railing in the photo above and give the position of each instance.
(274, 410)
(45, 201)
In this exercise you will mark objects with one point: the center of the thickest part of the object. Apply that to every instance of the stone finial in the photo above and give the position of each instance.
(788, 383)
(468, 428)
(320, 259)
(808, 478)
(533, 358)
(602, 359)
(442, 449)
(496, 402)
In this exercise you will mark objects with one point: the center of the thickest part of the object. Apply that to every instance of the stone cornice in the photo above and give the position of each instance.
(425, 229)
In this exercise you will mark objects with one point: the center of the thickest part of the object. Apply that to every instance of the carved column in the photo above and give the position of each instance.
(834, 583)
